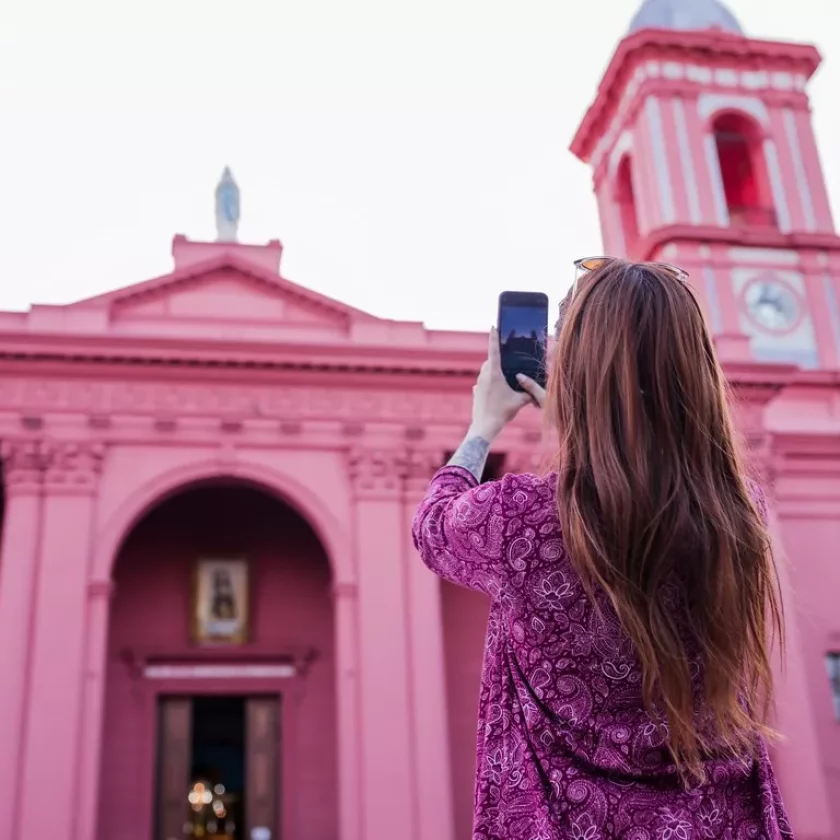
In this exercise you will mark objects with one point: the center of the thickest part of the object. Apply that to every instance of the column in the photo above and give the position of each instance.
(346, 605)
(389, 806)
(428, 677)
(22, 471)
(99, 595)
(54, 714)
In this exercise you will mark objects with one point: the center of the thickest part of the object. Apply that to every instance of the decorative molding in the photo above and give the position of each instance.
(163, 401)
(415, 433)
(385, 473)
(234, 670)
(422, 464)
(166, 424)
(24, 463)
(230, 426)
(55, 466)
(377, 472)
(73, 467)
(213, 662)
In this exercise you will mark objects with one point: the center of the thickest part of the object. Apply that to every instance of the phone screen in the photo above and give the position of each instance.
(523, 327)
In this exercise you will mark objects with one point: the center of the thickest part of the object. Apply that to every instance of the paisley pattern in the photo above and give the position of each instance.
(565, 748)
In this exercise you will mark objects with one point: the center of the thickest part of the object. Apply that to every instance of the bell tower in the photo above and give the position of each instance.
(703, 154)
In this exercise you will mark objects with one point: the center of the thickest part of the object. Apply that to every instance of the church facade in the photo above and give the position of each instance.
(213, 622)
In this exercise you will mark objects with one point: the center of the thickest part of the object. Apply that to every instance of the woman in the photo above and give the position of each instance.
(626, 675)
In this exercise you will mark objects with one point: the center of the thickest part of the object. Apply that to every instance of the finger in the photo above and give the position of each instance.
(533, 389)
(494, 354)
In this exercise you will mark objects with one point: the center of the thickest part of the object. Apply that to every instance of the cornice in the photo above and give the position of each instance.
(736, 236)
(199, 353)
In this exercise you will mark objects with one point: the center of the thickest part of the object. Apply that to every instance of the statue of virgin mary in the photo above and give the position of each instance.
(227, 208)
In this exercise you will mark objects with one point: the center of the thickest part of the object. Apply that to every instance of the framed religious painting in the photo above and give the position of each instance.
(220, 601)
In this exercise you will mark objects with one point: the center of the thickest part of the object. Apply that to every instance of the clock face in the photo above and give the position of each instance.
(772, 304)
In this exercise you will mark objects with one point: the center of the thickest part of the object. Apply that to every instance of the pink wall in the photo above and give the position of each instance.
(150, 613)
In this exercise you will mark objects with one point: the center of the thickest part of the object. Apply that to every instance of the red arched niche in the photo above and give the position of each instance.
(743, 169)
(627, 208)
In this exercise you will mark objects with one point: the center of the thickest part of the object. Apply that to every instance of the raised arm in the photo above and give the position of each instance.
(459, 528)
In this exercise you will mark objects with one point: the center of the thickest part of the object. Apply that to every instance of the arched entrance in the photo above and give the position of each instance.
(220, 673)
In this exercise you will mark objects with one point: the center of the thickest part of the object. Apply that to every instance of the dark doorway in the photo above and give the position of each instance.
(218, 774)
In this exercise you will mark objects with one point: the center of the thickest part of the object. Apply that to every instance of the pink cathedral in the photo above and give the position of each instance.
(212, 620)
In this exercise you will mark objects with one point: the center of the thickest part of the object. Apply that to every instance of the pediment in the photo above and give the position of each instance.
(224, 290)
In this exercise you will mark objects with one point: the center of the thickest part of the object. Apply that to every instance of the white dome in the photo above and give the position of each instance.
(685, 14)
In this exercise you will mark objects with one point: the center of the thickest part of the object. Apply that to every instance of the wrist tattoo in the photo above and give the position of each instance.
(471, 455)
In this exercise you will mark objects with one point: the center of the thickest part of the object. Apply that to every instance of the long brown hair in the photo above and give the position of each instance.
(656, 509)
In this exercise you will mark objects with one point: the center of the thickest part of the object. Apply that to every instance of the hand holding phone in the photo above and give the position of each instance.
(523, 331)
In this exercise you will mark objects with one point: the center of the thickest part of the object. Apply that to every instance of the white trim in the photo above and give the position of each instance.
(215, 672)
(618, 228)
(774, 172)
(715, 313)
(718, 194)
(726, 77)
(709, 103)
(623, 146)
(697, 73)
(762, 256)
(612, 231)
(659, 153)
(689, 175)
(673, 70)
(833, 310)
(783, 81)
(799, 170)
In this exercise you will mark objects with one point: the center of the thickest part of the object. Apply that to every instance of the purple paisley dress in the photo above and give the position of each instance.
(565, 746)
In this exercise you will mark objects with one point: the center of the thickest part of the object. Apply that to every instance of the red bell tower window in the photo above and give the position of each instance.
(744, 171)
(627, 205)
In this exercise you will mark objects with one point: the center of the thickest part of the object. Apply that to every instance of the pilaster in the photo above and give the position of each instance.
(389, 804)
(52, 745)
(430, 734)
(24, 462)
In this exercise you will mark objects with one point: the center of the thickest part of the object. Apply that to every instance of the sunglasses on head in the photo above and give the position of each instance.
(589, 264)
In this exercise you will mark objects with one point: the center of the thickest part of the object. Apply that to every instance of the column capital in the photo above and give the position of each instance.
(73, 467)
(24, 462)
(388, 473)
(421, 465)
(377, 473)
(33, 464)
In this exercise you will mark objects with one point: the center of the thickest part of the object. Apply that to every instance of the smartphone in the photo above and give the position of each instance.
(523, 330)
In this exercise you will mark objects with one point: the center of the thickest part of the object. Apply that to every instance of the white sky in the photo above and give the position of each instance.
(412, 157)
